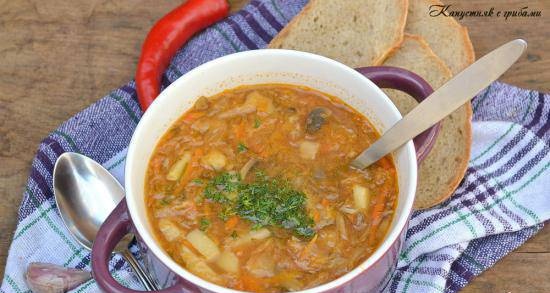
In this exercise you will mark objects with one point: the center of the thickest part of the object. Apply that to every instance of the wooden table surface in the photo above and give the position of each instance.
(57, 57)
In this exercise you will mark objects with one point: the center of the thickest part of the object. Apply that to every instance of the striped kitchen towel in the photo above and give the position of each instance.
(502, 201)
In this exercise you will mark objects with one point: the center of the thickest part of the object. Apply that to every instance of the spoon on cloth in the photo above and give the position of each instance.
(85, 194)
(442, 102)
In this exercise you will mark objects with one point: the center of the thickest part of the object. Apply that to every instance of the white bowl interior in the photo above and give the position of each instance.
(256, 67)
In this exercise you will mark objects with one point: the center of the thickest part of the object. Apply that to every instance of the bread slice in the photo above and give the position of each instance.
(354, 32)
(447, 38)
(445, 166)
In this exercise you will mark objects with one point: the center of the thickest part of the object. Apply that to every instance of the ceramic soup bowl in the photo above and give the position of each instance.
(359, 88)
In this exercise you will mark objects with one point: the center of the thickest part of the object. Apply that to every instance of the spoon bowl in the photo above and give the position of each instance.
(85, 194)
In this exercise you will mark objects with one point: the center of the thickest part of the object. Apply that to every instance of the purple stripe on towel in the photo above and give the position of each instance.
(460, 270)
(267, 15)
(538, 112)
(84, 262)
(45, 161)
(53, 144)
(40, 181)
(256, 27)
(541, 133)
(240, 34)
(130, 91)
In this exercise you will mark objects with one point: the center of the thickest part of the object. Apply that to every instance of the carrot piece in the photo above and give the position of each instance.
(231, 223)
(376, 215)
(189, 171)
(192, 116)
(251, 283)
(316, 216)
(325, 148)
(386, 163)
(240, 130)
(325, 202)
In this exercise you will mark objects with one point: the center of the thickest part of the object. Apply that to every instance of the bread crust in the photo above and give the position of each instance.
(461, 170)
(468, 46)
(401, 36)
(277, 41)
(465, 43)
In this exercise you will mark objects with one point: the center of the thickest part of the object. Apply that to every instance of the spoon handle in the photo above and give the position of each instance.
(453, 94)
(143, 277)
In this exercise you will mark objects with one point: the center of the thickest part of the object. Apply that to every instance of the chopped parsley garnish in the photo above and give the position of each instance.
(264, 202)
(226, 213)
(241, 147)
(234, 234)
(257, 123)
(204, 224)
(218, 189)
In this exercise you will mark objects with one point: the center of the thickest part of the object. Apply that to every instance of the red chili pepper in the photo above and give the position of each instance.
(166, 37)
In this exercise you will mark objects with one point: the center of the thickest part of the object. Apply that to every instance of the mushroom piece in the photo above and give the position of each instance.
(316, 118)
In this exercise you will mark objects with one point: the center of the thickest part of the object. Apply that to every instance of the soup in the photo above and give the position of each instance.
(251, 189)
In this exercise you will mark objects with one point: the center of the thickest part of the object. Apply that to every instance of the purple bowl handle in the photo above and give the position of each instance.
(116, 226)
(412, 84)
